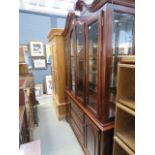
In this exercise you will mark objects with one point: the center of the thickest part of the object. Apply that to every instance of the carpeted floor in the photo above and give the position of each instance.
(57, 137)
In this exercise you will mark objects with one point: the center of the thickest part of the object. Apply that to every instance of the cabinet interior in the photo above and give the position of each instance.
(126, 81)
(125, 127)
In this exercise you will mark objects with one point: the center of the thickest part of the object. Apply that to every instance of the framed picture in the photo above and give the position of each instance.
(39, 63)
(36, 49)
(27, 58)
(48, 83)
(38, 90)
(48, 54)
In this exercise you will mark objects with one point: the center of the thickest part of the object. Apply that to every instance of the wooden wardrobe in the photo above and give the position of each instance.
(96, 36)
(56, 42)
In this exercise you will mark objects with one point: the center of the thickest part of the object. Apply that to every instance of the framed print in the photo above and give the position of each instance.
(39, 63)
(48, 54)
(38, 90)
(36, 49)
(48, 83)
(24, 53)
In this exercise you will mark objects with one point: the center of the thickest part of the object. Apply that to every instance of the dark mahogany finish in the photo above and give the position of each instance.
(93, 120)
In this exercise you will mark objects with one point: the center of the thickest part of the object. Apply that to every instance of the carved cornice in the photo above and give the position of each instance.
(69, 19)
(54, 32)
(96, 4)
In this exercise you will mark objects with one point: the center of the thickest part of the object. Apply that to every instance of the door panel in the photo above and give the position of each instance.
(91, 138)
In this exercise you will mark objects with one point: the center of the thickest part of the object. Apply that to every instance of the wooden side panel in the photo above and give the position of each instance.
(61, 67)
(56, 42)
(91, 138)
(107, 142)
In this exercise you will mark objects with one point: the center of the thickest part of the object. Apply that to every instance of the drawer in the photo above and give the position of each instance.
(79, 135)
(77, 111)
(78, 122)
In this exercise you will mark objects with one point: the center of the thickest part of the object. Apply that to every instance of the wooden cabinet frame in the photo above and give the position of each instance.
(106, 55)
(102, 121)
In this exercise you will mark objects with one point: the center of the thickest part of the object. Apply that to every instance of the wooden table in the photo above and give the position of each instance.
(31, 148)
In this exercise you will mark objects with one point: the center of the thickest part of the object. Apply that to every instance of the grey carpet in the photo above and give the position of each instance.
(57, 137)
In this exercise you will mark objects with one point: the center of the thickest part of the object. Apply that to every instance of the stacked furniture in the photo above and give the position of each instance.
(24, 135)
(27, 97)
(124, 139)
(94, 42)
(27, 91)
(56, 42)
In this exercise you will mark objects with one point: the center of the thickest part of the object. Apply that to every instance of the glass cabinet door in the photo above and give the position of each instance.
(72, 63)
(80, 62)
(92, 64)
(122, 44)
(68, 67)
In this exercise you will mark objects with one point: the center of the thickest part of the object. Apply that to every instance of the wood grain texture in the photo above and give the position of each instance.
(125, 107)
(70, 17)
(60, 108)
(56, 42)
(99, 123)
(121, 148)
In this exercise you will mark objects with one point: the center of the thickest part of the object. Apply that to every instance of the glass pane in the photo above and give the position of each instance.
(68, 67)
(72, 64)
(80, 78)
(122, 44)
(80, 63)
(92, 64)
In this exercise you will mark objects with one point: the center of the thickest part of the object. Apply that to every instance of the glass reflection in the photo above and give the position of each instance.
(80, 62)
(72, 64)
(92, 64)
(122, 44)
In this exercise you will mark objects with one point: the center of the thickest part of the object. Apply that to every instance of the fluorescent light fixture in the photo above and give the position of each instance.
(56, 7)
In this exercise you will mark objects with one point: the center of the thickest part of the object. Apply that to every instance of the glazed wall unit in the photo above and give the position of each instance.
(94, 43)
(56, 43)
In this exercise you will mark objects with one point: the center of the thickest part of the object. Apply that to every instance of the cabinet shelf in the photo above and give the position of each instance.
(120, 148)
(127, 137)
(125, 127)
(126, 109)
(128, 101)
(126, 85)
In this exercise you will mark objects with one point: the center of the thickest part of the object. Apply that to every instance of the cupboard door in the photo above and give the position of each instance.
(107, 143)
(80, 61)
(122, 44)
(68, 64)
(92, 58)
(92, 138)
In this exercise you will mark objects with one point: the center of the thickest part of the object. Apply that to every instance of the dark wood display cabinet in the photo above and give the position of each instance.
(96, 36)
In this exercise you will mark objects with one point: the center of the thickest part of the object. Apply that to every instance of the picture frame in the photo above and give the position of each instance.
(37, 49)
(39, 63)
(27, 57)
(38, 90)
(48, 54)
(48, 84)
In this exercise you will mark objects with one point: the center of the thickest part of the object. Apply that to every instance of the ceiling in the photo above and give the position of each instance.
(53, 7)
